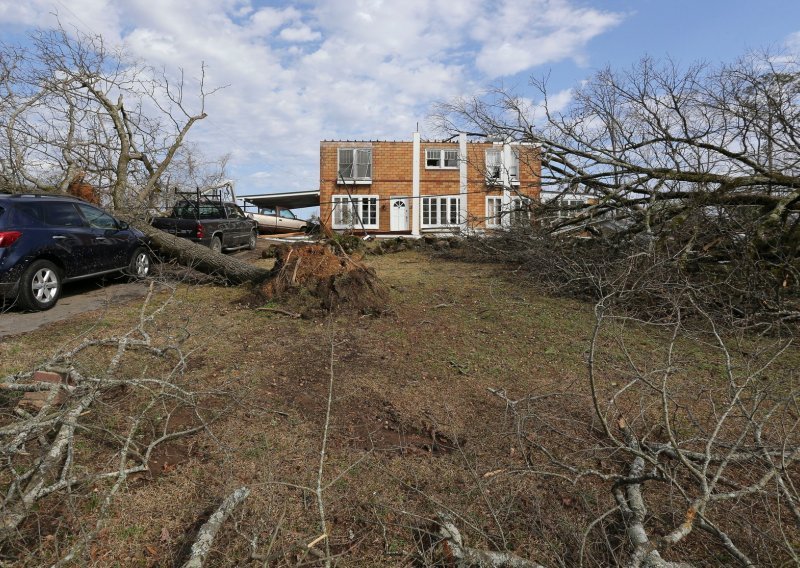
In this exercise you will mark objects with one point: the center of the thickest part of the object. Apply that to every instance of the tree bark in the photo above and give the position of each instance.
(203, 259)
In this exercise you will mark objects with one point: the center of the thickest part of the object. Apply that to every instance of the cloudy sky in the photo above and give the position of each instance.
(301, 72)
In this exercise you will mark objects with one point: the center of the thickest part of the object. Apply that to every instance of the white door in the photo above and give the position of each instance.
(399, 218)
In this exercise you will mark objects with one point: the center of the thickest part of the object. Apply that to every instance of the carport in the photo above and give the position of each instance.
(287, 199)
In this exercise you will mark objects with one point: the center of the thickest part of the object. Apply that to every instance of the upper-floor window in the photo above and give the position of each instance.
(513, 167)
(355, 164)
(441, 158)
(494, 163)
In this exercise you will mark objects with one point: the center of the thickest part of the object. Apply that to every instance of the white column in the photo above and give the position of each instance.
(416, 202)
(462, 176)
(505, 162)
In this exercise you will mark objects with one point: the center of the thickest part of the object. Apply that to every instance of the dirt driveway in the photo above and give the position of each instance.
(77, 298)
(86, 296)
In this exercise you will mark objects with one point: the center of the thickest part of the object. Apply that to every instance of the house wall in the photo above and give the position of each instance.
(393, 172)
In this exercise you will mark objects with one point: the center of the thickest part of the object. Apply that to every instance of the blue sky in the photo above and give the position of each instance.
(300, 72)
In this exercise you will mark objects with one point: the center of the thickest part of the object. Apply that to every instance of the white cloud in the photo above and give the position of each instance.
(792, 43)
(520, 35)
(300, 73)
(299, 33)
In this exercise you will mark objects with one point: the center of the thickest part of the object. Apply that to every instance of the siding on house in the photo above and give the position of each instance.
(393, 176)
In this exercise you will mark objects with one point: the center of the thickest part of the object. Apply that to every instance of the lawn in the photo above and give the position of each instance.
(413, 428)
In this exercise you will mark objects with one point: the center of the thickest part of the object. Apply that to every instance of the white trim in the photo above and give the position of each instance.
(462, 178)
(415, 174)
(354, 223)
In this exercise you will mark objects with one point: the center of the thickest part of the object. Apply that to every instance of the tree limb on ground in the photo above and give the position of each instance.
(205, 537)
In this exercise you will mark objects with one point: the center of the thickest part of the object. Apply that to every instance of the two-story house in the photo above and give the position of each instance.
(418, 186)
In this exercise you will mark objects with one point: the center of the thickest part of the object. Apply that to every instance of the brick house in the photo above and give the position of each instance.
(418, 186)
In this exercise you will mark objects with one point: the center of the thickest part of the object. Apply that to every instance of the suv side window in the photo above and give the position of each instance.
(96, 218)
(28, 215)
(267, 211)
(60, 214)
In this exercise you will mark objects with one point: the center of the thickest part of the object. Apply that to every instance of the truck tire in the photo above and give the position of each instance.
(40, 286)
(252, 241)
(215, 244)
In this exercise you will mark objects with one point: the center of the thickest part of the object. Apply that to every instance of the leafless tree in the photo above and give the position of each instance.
(652, 141)
(72, 103)
(73, 108)
(693, 182)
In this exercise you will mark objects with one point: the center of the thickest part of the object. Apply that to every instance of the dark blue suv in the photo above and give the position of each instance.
(47, 240)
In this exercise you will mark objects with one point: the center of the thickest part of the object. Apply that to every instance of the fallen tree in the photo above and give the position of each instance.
(649, 144)
(185, 252)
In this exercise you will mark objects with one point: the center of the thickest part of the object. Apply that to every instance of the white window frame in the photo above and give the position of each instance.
(494, 211)
(343, 215)
(366, 176)
(441, 158)
(518, 214)
(446, 213)
(569, 202)
(513, 168)
(494, 170)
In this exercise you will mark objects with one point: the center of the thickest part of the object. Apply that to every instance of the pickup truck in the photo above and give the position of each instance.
(217, 225)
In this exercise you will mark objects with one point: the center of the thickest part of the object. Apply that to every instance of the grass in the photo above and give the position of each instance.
(455, 330)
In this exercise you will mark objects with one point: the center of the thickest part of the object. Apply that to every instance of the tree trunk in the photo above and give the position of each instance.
(201, 258)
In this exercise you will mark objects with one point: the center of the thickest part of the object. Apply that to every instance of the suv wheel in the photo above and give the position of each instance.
(139, 266)
(40, 286)
(251, 243)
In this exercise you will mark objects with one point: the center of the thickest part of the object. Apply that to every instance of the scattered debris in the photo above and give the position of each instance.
(205, 538)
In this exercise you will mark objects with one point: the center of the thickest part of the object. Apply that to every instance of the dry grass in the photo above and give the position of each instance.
(414, 429)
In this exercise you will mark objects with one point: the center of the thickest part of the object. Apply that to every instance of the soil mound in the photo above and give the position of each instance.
(336, 280)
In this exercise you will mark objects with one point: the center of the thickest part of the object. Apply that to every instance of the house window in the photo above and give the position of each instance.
(566, 210)
(494, 161)
(355, 164)
(513, 168)
(353, 212)
(494, 211)
(441, 159)
(441, 211)
(520, 211)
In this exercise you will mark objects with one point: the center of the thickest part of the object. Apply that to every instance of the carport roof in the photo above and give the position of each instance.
(288, 199)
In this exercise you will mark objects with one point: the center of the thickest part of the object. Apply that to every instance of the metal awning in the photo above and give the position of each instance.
(288, 199)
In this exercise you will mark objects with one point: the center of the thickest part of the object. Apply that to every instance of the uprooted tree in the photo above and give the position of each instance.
(77, 113)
